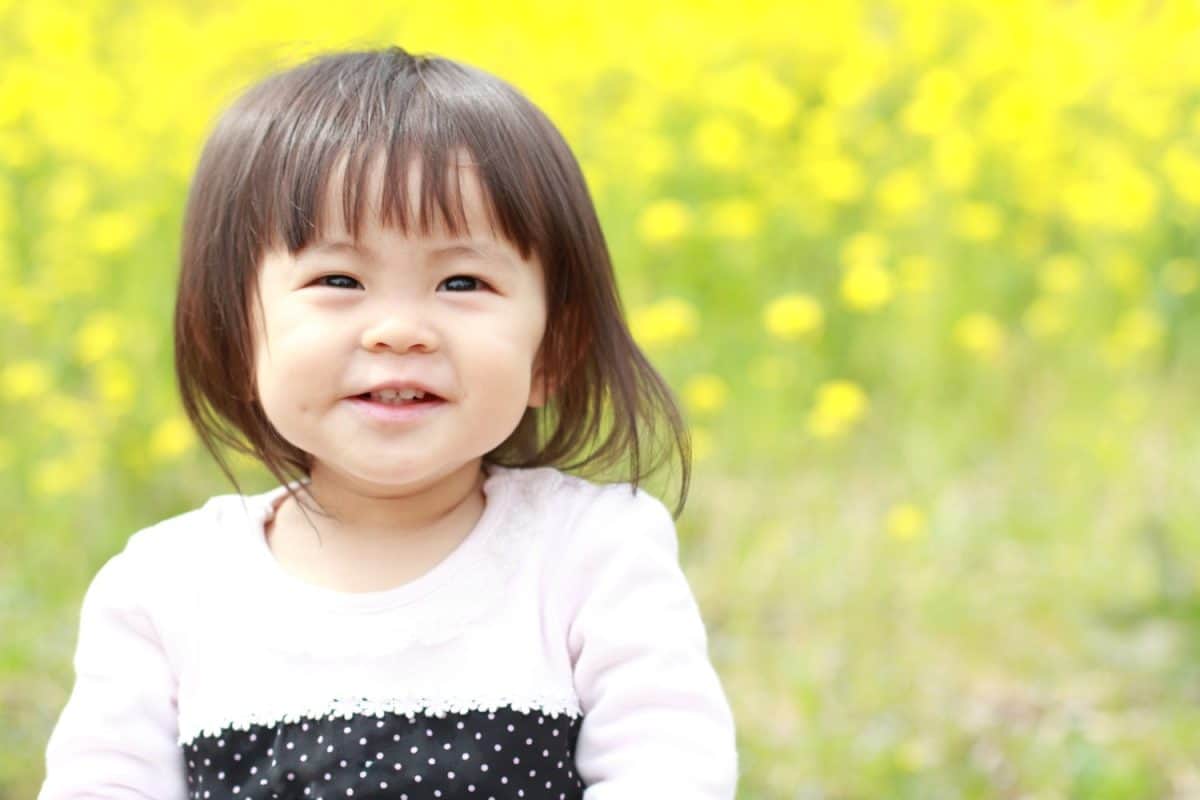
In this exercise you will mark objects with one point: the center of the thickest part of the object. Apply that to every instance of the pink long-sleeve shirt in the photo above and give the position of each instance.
(558, 652)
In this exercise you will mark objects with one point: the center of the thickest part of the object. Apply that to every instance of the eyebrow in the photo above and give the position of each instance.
(458, 246)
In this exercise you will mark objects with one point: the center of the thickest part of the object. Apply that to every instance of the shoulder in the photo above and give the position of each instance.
(613, 560)
(166, 557)
(181, 537)
(621, 524)
(585, 527)
(578, 507)
(620, 515)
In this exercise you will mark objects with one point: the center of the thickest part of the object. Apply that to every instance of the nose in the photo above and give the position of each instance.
(401, 329)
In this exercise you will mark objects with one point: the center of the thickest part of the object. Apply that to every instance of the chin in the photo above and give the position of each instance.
(399, 476)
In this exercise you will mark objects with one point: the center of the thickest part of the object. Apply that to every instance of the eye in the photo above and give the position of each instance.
(463, 283)
(336, 281)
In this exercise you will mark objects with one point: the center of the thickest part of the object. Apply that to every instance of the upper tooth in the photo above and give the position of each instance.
(397, 394)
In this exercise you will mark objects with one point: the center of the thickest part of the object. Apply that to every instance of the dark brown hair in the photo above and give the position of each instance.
(261, 183)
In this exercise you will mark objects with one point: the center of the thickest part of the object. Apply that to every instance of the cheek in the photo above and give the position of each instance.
(508, 357)
(294, 345)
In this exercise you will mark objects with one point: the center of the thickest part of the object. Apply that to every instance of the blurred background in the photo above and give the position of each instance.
(924, 275)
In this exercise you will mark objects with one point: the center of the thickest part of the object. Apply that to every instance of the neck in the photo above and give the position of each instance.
(363, 510)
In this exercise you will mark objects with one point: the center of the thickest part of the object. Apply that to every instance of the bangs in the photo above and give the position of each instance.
(325, 145)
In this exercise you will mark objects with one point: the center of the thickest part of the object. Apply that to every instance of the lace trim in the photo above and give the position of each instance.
(410, 706)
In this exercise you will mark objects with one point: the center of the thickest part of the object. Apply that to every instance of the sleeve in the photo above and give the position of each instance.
(116, 736)
(656, 722)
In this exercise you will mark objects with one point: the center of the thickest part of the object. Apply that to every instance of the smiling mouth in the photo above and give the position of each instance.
(399, 401)
(397, 412)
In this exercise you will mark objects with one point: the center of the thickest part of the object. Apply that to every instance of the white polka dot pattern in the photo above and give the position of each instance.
(486, 754)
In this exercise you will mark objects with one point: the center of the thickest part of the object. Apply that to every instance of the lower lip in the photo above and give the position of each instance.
(396, 412)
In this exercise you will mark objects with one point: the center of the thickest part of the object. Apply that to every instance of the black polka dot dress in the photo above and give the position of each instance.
(488, 755)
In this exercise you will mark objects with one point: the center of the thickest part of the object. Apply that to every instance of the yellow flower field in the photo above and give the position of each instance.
(925, 275)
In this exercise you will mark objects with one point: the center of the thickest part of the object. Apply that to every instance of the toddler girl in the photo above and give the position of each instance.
(395, 294)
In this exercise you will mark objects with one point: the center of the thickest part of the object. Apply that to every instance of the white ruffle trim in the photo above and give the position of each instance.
(346, 708)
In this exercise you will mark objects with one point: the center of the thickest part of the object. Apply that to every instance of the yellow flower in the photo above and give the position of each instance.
(864, 248)
(55, 477)
(97, 338)
(754, 90)
(954, 159)
(172, 438)
(851, 81)
(112, 231)
(979, 334)
(67, 268)
(664, 221)
(936, 100)
(836, 178)
(1061, 274)
(1137, 331)
(900, 192)
(793, 316)
(1111, 192)
(1126, 273)
(67, 473)
(822, 131)
(905, 521)
(115, 385)
(28, 306)
(718, 143)
(68, 195)
(665, 322)
(55, 32)
(1142, 112)
(653, 156)
(1014, 113)
(839, 405)
(67, 413)
(1181, 276)
(17, 93)
(17, 150)
(25, 379)
(736, 219)
(1133, 199)
(978, 222)
(1082, 201)
(705, 393)
(1182, 170)
(867, 287)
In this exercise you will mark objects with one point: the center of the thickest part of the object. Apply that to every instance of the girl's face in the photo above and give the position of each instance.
(461, 317)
